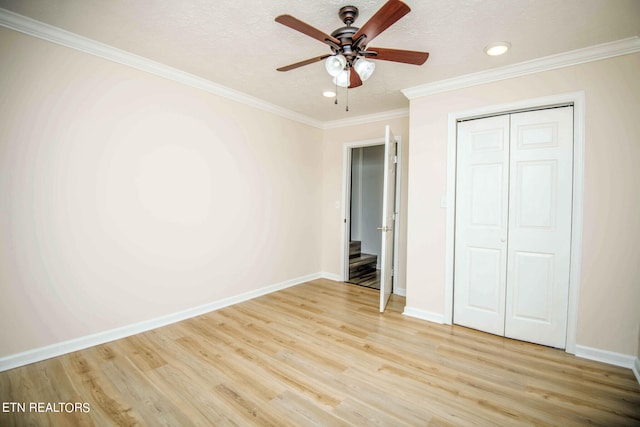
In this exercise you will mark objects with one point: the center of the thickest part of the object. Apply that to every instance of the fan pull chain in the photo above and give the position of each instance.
(347, 109)
(348, 84)
(336, 101)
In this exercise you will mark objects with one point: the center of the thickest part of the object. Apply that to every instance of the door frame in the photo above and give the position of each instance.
(577, 99)
(346, 203)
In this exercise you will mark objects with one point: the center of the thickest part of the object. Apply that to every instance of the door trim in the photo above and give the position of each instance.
(346, 201)
(577, 99)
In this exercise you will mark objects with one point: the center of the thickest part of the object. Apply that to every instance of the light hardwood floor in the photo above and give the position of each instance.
(321, 354)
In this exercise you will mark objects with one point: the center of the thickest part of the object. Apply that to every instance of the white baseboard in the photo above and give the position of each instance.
(58, 349)
(424, 315)
(610, 357)
(605, 356)
(331, 276)
(400, 291)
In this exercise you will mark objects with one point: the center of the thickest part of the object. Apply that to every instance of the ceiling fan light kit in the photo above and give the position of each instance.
(349, 44)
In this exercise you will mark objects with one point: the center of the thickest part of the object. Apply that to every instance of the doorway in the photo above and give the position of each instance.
(365, 211)
(389, 223)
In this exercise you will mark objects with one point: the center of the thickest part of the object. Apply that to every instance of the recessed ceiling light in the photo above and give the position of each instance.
(329, 93)
(497, 48)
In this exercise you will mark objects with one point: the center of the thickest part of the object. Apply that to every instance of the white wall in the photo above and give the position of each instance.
(125, 196)
(609, 300)
(356, 195)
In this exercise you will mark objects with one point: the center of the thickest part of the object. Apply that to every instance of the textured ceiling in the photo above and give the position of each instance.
(238, 44)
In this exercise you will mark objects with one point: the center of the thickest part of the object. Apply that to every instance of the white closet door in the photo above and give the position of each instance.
(481, 223)
(539, 235)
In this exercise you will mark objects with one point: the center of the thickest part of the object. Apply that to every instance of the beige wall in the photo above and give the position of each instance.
(609, 304)
(332, 159)
(125, 196)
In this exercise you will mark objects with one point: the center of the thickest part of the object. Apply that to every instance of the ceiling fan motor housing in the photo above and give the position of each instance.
(347, 14)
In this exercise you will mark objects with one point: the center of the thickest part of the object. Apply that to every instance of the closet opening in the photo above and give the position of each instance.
(513, 223)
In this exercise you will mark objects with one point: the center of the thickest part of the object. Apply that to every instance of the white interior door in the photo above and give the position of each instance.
(388, 218)
(513, 225)
(540, 226)
(481, 223)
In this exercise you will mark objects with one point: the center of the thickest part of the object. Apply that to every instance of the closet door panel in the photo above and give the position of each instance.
(484, 284)
(535, 194)
(481, 224)
(533, 284)
(539, 235)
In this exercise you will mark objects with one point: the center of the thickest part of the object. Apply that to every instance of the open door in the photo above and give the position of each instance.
(388, 218)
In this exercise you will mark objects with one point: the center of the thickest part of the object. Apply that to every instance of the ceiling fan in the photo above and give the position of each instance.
(349, 44)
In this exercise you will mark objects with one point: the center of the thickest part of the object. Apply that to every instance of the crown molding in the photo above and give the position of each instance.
(71, 40)
(566, 59)
(368, 118)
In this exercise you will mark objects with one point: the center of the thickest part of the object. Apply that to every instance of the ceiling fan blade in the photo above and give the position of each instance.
(304, 28)
(354, 79)
(303, 63)
(397, 55)
(386, 16)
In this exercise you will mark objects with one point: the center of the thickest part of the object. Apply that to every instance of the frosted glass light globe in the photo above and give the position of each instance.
(364, 68)
(335, 64)
(342, 79)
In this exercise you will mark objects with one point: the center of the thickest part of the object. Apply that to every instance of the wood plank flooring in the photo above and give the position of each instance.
(371, 280)
(321, 354)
